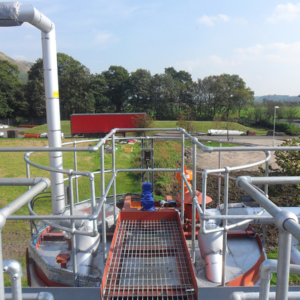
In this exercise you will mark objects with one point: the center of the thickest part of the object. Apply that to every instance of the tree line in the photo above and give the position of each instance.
(164, 96)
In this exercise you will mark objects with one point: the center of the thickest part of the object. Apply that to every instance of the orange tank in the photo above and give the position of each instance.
(187, 195)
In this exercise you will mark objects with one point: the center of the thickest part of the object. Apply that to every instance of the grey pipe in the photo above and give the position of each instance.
(103, 203)
(255, 296)
(182, 180)
(13, 206)
(226, 182)
(283, 265)
(14, 270)
(193, 203)
(114, 171)
(149, 170)
(266, 269)
(20, 181)
(273, 180)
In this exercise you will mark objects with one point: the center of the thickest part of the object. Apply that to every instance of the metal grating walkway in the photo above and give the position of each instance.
(149, 262)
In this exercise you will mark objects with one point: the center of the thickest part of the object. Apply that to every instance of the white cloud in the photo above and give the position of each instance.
(210, 21)
(282, 53)
(285, 12)
(103, 38)
(19, 57)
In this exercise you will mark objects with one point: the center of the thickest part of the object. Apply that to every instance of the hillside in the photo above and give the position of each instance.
(24, 66)
(283, 98)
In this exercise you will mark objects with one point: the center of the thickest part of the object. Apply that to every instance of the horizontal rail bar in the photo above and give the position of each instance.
(16, 204)
(19, 181)
(272, 208)
(149, 170)
(274, 180)
(255, 148)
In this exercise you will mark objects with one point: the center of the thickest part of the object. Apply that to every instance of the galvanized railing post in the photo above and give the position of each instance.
(204, 187)
(152, 164)
(219, 177)
(147, 145)
(93, 200)
(266, 175)
(226, 183)
(75, 168)
(32, 228)
(142, 158)
(193, 203)
(182, 182)
(73, 228)
(103, 206)
(2, 220)
(114, 171)
(283, 265)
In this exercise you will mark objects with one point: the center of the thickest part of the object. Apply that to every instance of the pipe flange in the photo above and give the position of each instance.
(283, 216)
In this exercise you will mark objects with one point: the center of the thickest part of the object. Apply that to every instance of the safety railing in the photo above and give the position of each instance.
(74, 175)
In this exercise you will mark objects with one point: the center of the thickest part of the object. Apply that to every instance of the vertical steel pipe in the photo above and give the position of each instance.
(193, 203)
(147, 145)
(266, 175)
(142, 158)
(32, 228)
(114, 171)
(283, 265)
(182, 182)
(152, 164)
(103, 206)
(226, 183)
(93, 200)
(204, 186)
(219, 177)
(76, 178)
(14, 270)
(73, 228)
(53, 118)
(1, 260)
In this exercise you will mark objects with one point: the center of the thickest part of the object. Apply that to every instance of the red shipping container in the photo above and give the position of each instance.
(97, 125)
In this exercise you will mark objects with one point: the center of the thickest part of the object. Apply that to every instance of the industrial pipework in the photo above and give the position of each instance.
(15, 14)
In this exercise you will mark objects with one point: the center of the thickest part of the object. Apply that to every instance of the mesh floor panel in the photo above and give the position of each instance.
(149, 262)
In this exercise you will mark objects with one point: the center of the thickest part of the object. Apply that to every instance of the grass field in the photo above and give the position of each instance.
(200, 126)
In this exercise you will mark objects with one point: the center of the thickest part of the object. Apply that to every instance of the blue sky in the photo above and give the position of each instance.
(256, 39)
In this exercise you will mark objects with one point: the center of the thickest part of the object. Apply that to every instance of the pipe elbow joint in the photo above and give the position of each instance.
(267, 268)
(243, 178)
(13, 268)
(92, 149)
(42, 179)
(207, 149)
(90, 175)
(93, 217)
(205, 173)
(282, 217)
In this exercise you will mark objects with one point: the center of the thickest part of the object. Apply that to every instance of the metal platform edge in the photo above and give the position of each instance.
(80, 293)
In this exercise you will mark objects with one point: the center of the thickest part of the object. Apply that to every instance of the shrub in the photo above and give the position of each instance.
(142, 122)
(184, 123)
(289, 161)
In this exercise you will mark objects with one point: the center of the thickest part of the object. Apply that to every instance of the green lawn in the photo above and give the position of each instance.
(200, 126)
